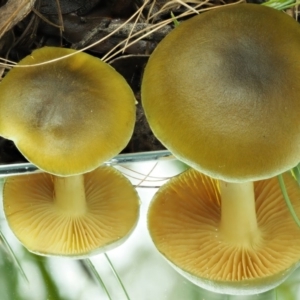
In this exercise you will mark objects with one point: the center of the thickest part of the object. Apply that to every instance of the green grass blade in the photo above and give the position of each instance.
(93, 270)
(281, 4)
(14, 257)
(296, 173)
(52, 289)
(287, 200)
(175, 21)
(117, 276)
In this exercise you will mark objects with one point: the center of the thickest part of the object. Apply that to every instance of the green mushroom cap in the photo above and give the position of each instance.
(68, 116)
(221, 92)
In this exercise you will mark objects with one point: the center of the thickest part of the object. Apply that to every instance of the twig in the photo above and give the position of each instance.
(13, 12)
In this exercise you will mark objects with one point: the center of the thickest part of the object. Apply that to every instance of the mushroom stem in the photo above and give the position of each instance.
(69, 194)
(238, 213)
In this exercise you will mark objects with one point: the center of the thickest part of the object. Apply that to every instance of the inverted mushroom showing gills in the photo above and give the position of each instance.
(224, 77)
(230, 245)
(86, 215)
(233, 114)
(68, 117)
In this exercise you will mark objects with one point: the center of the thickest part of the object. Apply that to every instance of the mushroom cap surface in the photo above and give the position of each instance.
(69, 116)
(111, 214)
(221, 92)
(184, 219)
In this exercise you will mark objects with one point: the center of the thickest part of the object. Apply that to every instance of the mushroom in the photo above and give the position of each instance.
(222, 243)
(67, 117)
(219, 92)
(225, 80)
(74, 216)
(57, 112)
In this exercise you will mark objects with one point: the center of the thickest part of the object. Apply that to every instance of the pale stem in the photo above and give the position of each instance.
(69, 194)
(238, 214)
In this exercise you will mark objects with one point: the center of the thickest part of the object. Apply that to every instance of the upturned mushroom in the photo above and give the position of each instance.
(68, 117)
(224, 79)
(75, 216)
(226, 244)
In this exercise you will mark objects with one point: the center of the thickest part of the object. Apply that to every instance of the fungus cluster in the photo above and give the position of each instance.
(228, 80)
(68, 117)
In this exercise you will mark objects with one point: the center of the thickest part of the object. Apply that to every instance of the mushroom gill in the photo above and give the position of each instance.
(96, 220)
(184, 221)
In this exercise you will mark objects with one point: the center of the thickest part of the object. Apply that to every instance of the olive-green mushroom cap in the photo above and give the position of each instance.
(184, 221)
(221, 92)
(103, 219)
(69, 116)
